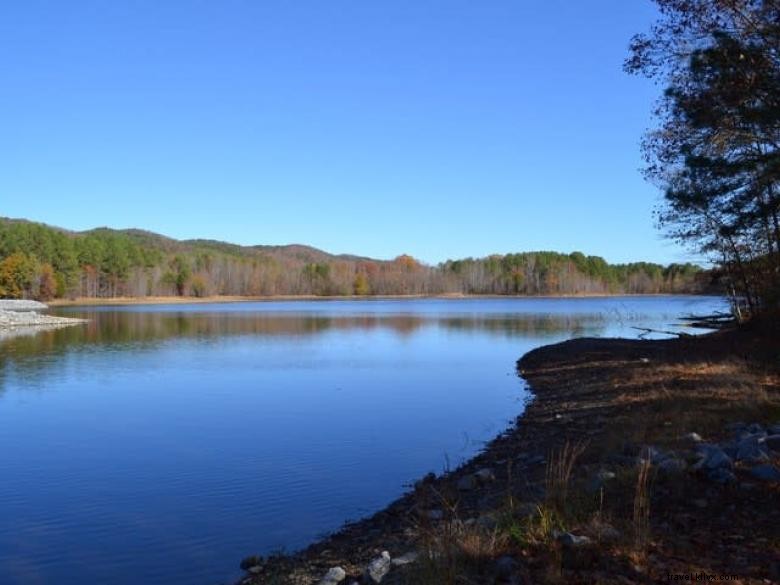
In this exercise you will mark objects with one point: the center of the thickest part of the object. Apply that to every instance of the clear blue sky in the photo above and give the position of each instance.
(440, 129)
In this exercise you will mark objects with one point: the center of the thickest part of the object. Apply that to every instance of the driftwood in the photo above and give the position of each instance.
(647, 330)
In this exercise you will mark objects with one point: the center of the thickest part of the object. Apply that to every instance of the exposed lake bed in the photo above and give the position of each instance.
(196, 434)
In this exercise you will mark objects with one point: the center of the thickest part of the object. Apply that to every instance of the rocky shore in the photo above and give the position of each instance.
(635, 461)
(21, 316)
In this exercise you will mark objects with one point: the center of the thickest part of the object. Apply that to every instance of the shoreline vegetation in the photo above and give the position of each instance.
(635, 460)
(45, 263)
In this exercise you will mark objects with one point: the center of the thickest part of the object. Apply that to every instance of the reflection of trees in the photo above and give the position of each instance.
(133, 331)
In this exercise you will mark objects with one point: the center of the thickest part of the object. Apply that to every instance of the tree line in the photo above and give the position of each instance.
(42, 262)
(716, 151)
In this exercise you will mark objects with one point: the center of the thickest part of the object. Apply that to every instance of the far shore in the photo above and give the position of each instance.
(158, 300)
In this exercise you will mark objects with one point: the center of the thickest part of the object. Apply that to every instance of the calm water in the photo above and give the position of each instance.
(161, 444)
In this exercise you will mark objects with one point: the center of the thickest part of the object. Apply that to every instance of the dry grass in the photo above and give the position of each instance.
(560, 466)
(641, 517)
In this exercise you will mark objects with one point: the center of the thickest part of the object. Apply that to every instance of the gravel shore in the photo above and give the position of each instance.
(20, 316)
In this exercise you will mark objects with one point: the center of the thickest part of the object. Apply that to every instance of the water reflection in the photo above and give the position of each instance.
(191, 436)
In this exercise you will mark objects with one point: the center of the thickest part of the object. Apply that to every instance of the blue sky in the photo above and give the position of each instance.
(441, 129)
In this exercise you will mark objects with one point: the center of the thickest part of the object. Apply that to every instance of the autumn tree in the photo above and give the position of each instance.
(716, 152)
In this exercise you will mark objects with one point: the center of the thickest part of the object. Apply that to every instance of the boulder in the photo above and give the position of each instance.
(712, 457)
(598, 480)
(571, 540)
(505, 570)
(773, 442)
(467, 483)
(405, 559)
(485, 475)
(334, 576)
(378, 568)
(766, 473)
(672, 466)
(722, 475)
(749, 450)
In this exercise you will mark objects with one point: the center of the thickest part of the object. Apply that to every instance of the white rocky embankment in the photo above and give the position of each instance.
(25, 315)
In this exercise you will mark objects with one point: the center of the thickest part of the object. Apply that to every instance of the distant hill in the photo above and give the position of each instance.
(44, 262)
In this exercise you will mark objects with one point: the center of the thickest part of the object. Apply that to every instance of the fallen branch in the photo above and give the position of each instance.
(647, 331)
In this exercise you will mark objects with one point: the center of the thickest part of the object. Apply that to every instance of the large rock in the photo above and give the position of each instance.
(693, 437)
(405, 559)
(571, 540)
(467, 482)
(712, 457)
(722, 475)
(766, 473)
(485, 475)
(598, 480)
(379, 567)
(334, 576)
(773, 442)
(672, 466)
(749, 450)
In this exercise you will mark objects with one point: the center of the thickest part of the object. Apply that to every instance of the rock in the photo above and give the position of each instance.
(485, 475)
(428, 479)
(405, 559)
(249, 562)
(568, 539)
(378, 568)
(505, 569)
(597, 481)
(334, 576)
(621, 460)
(712, 457)
(694, 437)
(672, 466)
(773, 429)
(467, 483)
(527, 510)
(487, 522)
(434, 514)
(255, 570)
(736, 427)
(766, 473)
(773, 442)
(749, 451)
(606, 532)
(755, 428)
(722, 475)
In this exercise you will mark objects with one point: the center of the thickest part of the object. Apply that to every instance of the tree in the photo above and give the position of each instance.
(360, 286)
(18, 276)
(716, 152)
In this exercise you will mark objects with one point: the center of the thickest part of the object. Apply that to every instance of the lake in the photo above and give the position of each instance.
(160, 444)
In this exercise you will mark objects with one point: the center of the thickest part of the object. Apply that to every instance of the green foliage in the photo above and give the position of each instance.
(44, 262)
(716, 153)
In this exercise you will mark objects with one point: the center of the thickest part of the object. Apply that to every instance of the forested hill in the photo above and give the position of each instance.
(43, 262)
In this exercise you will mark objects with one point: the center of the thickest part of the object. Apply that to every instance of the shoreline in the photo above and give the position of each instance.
(176, 300)
(604, 394)
(24, 317)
